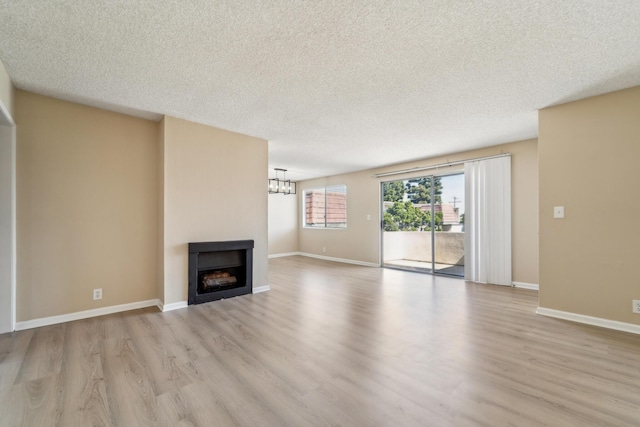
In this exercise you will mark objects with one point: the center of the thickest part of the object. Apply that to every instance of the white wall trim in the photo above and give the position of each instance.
(343, 260)
(172, 306)
(589, 320)
(7, 121)
(284, 254)
(79, 315)
(532, 286)
(259, 289)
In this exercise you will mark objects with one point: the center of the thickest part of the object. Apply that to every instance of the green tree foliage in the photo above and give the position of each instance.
(419, 190)
(390, 223)
(393, 191)
(406, 217)
(438, 221)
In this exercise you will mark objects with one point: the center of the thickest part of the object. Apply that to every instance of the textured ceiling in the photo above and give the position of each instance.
(335, 86)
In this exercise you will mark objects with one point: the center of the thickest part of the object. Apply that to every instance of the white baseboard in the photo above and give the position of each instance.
(184, 304)
(589, 320)
(284, 254)
(343, 260)
(532, 286)
(79, 315)
(172, 306)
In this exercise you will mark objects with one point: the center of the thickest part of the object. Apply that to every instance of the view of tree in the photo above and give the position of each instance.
(419, 190)
(438, 221)
(462, 219)
(390, 223)
(406, 217)
(393, 191)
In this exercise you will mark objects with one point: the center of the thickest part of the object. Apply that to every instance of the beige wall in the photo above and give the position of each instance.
(589, 152)
(214, 189)
(283, 224)
(86, 207)
(6, 91)
(361, 240)
(524, 211)
(161, 209)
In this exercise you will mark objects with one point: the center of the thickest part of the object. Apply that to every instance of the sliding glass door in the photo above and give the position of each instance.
(448, 236)
(423, 224)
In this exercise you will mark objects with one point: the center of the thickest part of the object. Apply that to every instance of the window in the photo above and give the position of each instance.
(326, 207)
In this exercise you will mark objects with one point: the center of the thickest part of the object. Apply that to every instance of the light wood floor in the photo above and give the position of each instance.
(330, 344)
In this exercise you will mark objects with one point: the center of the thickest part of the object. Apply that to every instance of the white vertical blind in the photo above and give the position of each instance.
(487, 221)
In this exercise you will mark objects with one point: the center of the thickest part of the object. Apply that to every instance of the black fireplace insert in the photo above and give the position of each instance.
(220, 270)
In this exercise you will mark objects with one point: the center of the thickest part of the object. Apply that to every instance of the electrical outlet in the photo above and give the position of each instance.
(97, 294)
(324, 249)
(636, 306)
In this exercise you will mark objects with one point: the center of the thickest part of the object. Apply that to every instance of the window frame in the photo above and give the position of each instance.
(324, 190)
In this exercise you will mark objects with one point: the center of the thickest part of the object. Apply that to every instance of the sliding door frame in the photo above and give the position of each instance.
(432, 270)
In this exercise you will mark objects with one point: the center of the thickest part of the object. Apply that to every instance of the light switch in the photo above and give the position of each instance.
(558, 211)
(368, 217)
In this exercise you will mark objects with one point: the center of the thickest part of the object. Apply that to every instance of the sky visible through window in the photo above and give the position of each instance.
(453, 186)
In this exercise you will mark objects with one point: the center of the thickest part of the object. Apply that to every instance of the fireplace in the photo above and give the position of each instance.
(220, 270)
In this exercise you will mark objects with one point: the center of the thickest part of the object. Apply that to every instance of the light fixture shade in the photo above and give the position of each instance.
(281, 186)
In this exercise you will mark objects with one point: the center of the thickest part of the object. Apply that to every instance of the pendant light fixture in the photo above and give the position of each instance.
(281, 186)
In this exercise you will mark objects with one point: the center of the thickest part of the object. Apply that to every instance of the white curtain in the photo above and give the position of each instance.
(487, 221)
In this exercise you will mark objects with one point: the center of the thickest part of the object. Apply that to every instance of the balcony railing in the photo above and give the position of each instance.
(412, 249)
